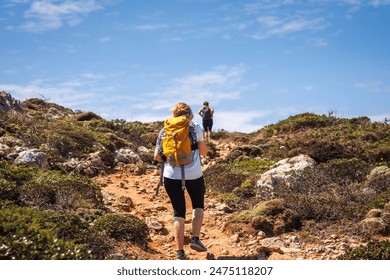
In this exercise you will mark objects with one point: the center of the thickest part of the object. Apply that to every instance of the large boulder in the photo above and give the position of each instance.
(374, 226)
(8, 103)
(280, 172)
(127, 156)
(377, 181)
(32, 158)
(4, 150)
(91, 166)
(379, 171)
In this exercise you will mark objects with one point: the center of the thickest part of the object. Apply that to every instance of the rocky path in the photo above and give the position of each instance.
(127, 193)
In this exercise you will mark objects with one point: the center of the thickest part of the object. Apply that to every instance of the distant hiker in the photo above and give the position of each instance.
(207, 114)
(181, 177)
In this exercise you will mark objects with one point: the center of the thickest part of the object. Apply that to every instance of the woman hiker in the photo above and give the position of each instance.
(207, 114)
(194, 184)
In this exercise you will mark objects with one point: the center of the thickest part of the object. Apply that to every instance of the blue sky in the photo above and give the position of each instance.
(256, 62)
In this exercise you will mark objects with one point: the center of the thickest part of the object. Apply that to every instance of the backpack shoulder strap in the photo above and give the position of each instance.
(159, 144)
(193, 136)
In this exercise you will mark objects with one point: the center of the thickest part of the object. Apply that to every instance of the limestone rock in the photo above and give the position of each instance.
(8, 103)
(280, 172)
(32, 157)
(374, 213)
(126, 156)
(373, 226)
(379, 171)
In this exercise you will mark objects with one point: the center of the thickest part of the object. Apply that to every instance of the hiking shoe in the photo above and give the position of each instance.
(197, 245)
(180, 255)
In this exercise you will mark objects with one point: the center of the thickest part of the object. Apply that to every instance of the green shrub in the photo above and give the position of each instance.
(380, 185)
(98, 244)
(253, 166)
(355, 170)
(14, 220)
(326, 138)
(17, 174)
(68, 228)
(123, 228)
(229, 199)
(27, 233)
(316, 194)
(47, 189)
(301, 122)
(38, 244)
(373, 250)
(87, 116)
(220, 134)
(234, 183)
(9, 190)
(270, 216)
(52, 189)
(223, 178)
(246, 190)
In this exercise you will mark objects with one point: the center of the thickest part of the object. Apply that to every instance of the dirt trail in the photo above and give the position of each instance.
(135, 194)
(127, 193)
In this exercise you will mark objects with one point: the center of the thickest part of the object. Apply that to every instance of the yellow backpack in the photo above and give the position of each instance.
(177, 143)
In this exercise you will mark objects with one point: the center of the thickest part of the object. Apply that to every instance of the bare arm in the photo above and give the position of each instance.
(203, 149)
(157, 156)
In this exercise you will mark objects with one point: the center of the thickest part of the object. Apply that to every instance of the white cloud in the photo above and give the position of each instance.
(151, 27)
(371, 86)
(377, 3)
(47, 15)
(93, 76)
(298, 25)
(379, 118)
(105, 39)
(310, 88)
(288, 18)
(318, 42)
(147, 117)
(270, 20)
(241, 120)
(11, 72)
(66, 94)
(220, 83)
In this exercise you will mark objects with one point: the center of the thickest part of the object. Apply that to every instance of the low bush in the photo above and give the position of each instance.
(123, 228)
(54, 190)
(316, 194)
(302, 122)
(38, 244)
(373, 250)
(354, 169)
(223, 178)
(17, 174)
(253, 166)
(87, 116)
(271, 217)
(9, 190)
(27, 233)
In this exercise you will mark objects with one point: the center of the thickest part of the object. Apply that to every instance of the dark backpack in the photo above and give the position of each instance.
(207, 114)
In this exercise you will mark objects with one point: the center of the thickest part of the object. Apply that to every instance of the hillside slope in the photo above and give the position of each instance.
(308, 187)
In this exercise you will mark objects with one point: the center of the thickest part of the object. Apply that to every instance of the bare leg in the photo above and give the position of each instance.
(178, 229)
(197, 221)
